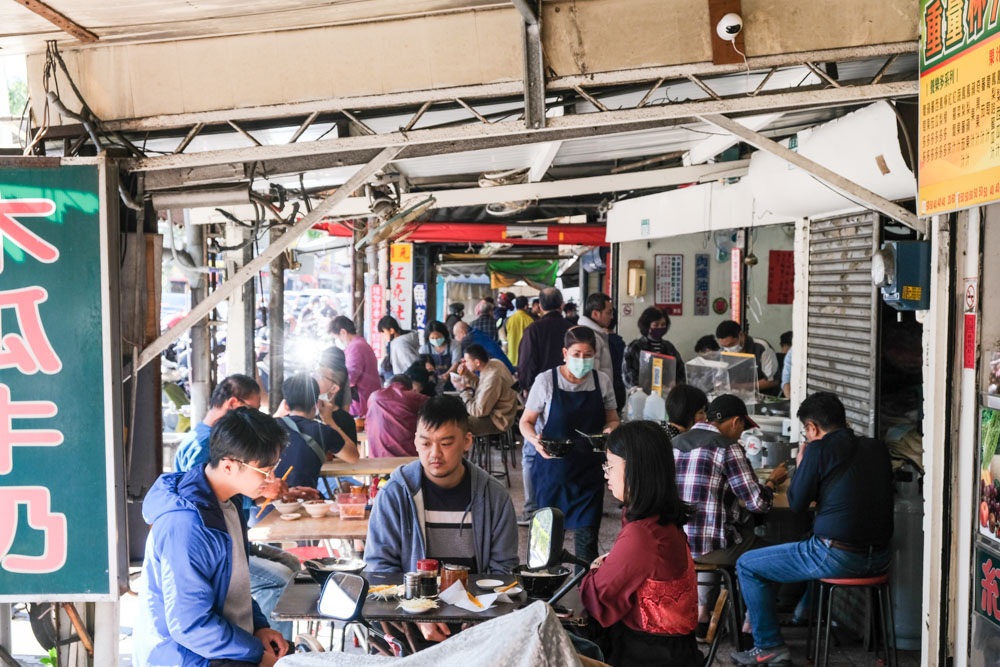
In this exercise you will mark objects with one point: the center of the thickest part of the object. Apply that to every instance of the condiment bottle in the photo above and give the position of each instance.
(428, 567)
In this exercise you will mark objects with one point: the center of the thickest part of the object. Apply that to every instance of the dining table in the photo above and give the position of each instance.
(272, 528)
(365, 466)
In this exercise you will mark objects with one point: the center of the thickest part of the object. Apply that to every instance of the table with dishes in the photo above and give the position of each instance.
(314, 520)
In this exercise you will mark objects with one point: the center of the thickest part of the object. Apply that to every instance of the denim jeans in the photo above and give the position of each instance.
(528, 454)
(585, 542)
(270, 571)
(797, 561)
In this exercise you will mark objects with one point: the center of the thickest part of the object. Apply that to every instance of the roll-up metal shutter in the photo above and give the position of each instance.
(843, 315)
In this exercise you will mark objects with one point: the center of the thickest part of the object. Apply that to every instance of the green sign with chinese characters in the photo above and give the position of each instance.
(58, 507)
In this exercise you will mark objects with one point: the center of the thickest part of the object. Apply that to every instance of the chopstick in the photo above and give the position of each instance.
(268, 501)
(508, 587)
(474, 600)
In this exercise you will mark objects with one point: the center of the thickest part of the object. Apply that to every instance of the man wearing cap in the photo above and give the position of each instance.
(715, 477)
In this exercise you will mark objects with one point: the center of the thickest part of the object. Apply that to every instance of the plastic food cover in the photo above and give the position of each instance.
(732, 373)
(657, 373)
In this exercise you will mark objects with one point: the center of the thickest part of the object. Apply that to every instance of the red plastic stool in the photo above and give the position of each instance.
(877, 585)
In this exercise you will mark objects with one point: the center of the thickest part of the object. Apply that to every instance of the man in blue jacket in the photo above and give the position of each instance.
(442, 506)
(196, 605)
(466, 336)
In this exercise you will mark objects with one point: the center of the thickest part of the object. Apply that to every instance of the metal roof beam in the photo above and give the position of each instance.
(848, 188)
(436, 141)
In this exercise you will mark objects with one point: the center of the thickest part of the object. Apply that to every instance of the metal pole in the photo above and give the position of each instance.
(239, 336)
(199, 354)
(276, 328)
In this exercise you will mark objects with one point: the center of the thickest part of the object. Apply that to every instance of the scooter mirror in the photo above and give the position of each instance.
(545, 538)
(343, 596)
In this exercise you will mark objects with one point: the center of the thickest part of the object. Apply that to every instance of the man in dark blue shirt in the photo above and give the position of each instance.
(850, 480)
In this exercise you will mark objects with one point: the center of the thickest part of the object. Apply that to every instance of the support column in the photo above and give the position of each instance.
(199, 356)
(239, 326)
(276, 328)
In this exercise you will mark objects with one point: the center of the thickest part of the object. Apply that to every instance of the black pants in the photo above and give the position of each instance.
(585, 542)
(624, 647)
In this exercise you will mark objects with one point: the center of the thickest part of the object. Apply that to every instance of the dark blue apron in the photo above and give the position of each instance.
(574, 483)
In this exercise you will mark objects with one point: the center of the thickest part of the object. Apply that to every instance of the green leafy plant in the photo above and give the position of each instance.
(52, 660)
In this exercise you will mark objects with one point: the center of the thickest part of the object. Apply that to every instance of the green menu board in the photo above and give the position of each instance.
(59, 467)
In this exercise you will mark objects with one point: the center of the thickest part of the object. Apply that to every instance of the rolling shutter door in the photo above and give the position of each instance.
(843, 315)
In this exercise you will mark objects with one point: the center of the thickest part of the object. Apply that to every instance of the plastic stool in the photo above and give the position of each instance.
(878, 586)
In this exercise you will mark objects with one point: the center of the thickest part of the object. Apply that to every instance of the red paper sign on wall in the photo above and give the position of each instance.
(781, 277)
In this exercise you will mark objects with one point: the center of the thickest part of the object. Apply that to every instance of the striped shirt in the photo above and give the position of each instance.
(448, 521)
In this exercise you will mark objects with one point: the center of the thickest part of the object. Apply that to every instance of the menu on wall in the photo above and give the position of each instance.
(701, 272)
(669, 283)
(780, 277)
(959, 140)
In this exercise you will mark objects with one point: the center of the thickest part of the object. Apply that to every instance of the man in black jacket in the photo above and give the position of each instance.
(850, 480)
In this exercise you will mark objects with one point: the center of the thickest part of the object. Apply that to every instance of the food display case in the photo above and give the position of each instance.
(725, 373)
(657, 373)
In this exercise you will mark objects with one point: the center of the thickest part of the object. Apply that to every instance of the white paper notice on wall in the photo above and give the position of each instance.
(669, 283)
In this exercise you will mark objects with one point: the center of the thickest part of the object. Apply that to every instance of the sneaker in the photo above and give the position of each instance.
(780, 656)
(524, 519)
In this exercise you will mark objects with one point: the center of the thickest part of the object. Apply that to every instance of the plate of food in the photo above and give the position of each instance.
(385, 592)
(418, 605)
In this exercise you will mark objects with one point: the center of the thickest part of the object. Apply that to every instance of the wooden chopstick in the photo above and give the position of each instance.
(474, 600)
(268, 501)
(508, 587)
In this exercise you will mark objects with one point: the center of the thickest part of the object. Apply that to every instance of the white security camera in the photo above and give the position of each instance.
(729, 26)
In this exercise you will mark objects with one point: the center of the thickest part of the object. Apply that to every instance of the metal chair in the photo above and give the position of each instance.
(728, 609)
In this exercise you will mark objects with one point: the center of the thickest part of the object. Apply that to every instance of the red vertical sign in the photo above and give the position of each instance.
(736, 280)
(969, 347)
(377, 310)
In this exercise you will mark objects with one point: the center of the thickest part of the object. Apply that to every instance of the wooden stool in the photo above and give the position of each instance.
(877, 585)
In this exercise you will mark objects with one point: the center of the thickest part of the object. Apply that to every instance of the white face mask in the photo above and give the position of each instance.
(324, 397)
(733, 348)
(436, 342)
(339, 343)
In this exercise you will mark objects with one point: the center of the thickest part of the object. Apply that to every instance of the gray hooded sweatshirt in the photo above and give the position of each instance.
(396, 537)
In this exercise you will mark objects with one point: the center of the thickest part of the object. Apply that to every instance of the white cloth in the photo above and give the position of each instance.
(540, 396)
(768, 360)
(529, 637)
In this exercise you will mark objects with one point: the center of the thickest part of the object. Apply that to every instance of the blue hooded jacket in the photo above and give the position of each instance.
(187, 567)
(396, 526)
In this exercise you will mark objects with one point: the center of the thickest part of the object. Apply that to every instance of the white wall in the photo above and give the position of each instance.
(688, 328)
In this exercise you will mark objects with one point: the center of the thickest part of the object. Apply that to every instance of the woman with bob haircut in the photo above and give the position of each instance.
(644, 593)
(653, 323)
(686, 406)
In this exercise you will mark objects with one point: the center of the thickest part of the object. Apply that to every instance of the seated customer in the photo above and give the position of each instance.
(850, 480)
(644, 593)
(442, 507)
(391, 421)
(487, 389)
(466, 336)
(715, 477)
(686, 405)
(196, 605)
(310, 442)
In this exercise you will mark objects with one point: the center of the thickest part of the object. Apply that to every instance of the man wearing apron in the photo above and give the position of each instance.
(574, 483)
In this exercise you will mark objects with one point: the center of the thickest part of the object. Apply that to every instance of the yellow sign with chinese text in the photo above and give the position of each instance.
(959, 137)
(401, 252)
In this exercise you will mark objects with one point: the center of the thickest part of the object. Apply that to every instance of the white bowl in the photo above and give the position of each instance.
(317, 510)
(489, 584)
(286, 507)
(291, 517)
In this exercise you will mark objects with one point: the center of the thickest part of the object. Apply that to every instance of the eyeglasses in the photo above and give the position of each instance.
(607, 468)
(266, 473)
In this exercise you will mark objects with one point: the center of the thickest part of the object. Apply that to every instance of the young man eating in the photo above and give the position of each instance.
(196, 606)
(442, 506)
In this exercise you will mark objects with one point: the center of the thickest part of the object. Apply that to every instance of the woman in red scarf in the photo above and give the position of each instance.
(644, 593)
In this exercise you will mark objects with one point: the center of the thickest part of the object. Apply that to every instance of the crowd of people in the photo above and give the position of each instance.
(688, 491)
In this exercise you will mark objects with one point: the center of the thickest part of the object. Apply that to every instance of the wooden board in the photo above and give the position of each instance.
(723, 52)
(273, 528)
(383, 466)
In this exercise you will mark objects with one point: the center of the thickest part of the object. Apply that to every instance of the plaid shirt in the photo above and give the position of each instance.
(714, 478)
(487, 325)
